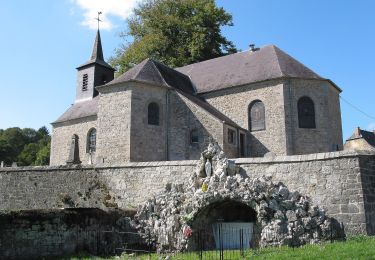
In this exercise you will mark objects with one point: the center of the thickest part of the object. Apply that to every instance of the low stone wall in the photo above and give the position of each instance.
(342, 182)
(123, 186)
(36, 234)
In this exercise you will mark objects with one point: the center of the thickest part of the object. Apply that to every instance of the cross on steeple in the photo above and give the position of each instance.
(98, 19)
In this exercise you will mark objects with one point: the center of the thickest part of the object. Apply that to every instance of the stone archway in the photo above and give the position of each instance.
(225, 211)
(228, 224)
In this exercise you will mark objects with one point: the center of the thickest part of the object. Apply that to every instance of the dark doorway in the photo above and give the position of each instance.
(242, 145)
(226, 224)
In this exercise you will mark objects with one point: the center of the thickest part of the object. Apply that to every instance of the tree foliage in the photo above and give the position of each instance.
(25, 146)
(174, 32)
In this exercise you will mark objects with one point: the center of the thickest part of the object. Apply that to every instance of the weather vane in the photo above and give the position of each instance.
(98, 19)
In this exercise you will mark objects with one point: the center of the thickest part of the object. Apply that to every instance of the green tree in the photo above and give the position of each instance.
(174, 32)
(25, 146)
(42, 157)
(30, 135)
(14, 140)
(28, 154)
(6, 152)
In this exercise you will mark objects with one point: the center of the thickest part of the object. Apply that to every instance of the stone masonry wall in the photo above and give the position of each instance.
(234, 103)
(39, 234)
(113, 133)
(358, 144)
(185, 116)
(337, 181)
(342, 182)
(327, 135)
(367, 166)
(88, 187)
(231, 150)
(62, 136)
(147, 142)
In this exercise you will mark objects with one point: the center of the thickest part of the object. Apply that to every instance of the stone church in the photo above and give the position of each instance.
(251, 103)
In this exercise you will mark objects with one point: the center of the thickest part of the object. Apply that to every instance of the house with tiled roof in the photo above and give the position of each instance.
(251, 103)
(361, 140)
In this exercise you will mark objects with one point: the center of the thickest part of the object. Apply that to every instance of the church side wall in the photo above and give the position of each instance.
(234, 103)
(342, 182)
(328, 134)
(147, 142)
(62, 137)
(114, 122)
(335, 116)
(184, 117)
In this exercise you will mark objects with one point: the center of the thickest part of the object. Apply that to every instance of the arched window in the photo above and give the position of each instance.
(194, 136)
(306, 113)
(153, 114)
(91, 141)
(256, 112)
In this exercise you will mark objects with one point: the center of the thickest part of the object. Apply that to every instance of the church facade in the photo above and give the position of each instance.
(251, 103)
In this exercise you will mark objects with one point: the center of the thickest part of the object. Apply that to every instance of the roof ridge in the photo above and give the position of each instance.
(141, 67)
(278, 52)
(159, 73)
(220, 57)
(278, 60)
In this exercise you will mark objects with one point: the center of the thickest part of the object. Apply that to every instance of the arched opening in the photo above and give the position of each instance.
(256, 114)
(226, 224)
(91, 141)
(306, 113)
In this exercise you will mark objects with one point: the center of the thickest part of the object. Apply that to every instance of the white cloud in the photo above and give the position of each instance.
(115, 8)
(371, 126)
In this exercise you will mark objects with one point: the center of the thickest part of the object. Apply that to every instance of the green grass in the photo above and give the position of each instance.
(360, 247)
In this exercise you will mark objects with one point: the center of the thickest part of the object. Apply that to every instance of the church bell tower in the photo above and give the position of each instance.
(93, 73)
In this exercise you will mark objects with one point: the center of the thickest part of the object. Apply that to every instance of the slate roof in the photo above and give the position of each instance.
(97, 54)
(209, 108)
(245, 67)
(155, 73)
(367, 135)
(80, 110)
(232, 70)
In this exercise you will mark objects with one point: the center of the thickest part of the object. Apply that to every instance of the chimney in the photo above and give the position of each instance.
(357, 132)
(252, 47)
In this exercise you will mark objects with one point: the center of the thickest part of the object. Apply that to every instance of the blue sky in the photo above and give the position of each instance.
(42, 42)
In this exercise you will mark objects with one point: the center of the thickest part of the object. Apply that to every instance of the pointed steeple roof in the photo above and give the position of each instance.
(97, 54)
(97, 51)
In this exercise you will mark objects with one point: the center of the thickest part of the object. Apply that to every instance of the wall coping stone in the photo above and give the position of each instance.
(97, 167)
(305, 157)
(254, 160)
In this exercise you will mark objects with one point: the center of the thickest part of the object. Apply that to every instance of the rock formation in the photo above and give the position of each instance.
(283, 217)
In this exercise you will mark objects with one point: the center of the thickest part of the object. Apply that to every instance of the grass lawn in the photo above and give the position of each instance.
(360, 247)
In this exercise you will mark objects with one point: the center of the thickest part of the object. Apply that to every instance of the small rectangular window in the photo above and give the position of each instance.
(231, 136)
(194, 137)
(85, 80)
